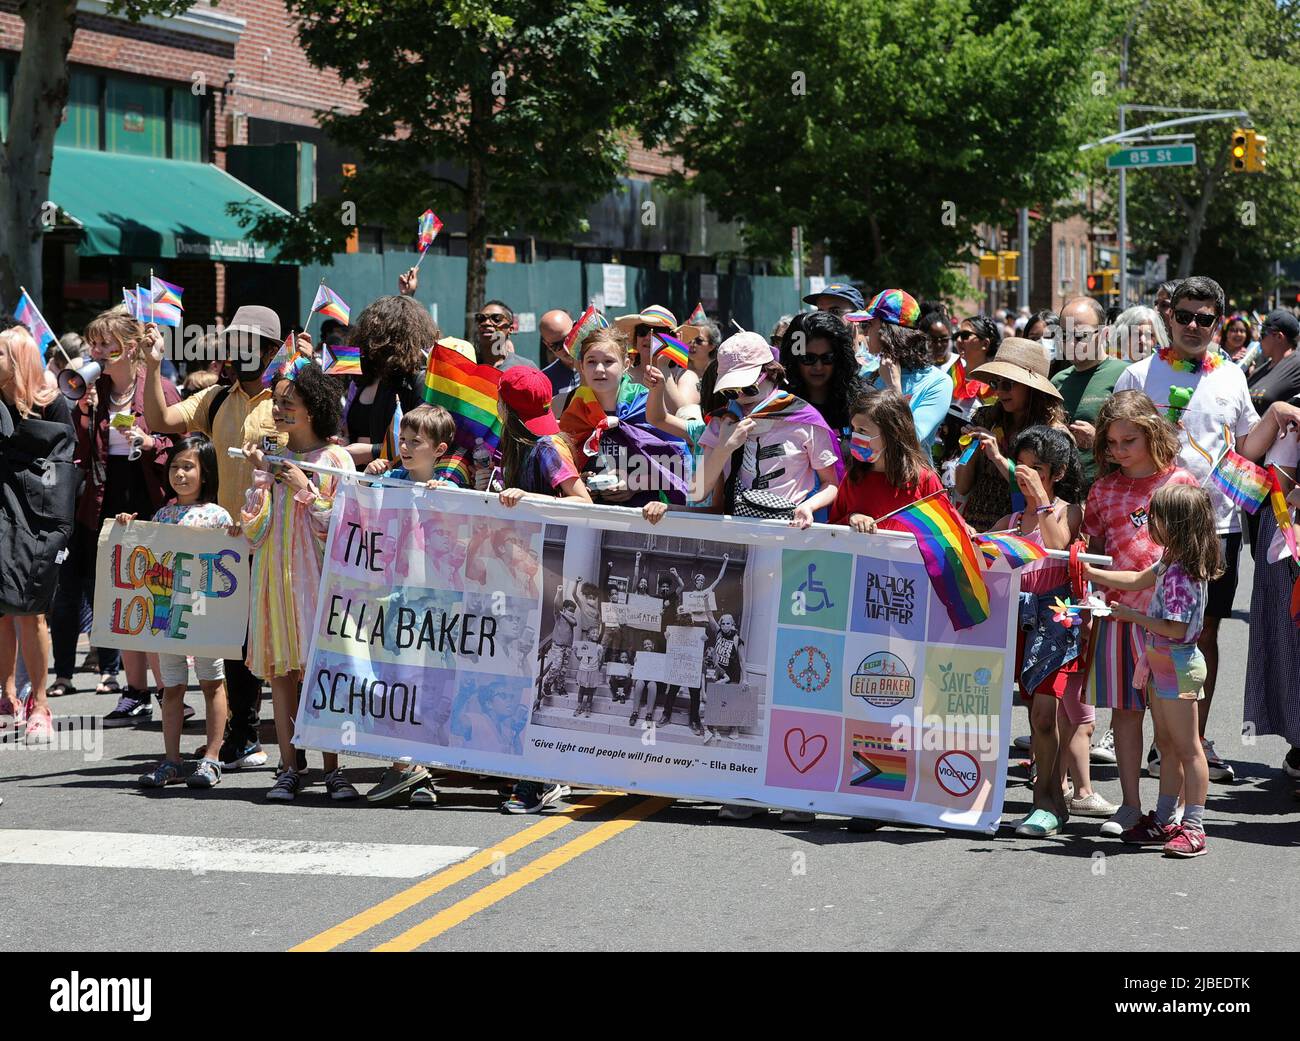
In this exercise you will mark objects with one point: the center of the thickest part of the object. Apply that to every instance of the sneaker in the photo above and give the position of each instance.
(1186, 843)
(162, 775)
(1104, 750)
(12, 713)
(697, 729)
(132, 707)
(797, 817)
(736, 812)
(1153, 762)
(533, 797)
(1121, 820)
(1094, 805)
(1023, 743)
(1219, 769)
(245, 758)
(206, 775)
(286, 786)
(396, 781)
(40, 727)
(632, 719)
(1146, 832)
(1290, 765)
(425, 795)
(340, 789)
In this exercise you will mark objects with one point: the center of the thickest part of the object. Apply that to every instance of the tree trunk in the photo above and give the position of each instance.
(40, 92)
(1196, 225)
(476, 192)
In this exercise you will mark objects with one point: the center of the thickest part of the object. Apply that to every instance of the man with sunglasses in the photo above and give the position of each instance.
(1090, 378)
(562, 370)
(1219, 399)
(839, 298)
(492, 326)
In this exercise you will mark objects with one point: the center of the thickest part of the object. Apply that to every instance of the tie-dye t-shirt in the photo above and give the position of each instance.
(1178, 598)
(196, 515)
(1116, 511)
(547, 466)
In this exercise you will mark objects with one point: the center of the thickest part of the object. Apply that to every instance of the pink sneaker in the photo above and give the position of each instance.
(1146, 832)
(1186, 843)
(12, 713)
(40, 727)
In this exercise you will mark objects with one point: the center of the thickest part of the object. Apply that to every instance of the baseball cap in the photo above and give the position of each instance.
(526, 391)
(1283, 321)
(740, 361)
(891, 306)
(841, 289)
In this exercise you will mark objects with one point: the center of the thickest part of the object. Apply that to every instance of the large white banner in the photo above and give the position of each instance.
(727, 661)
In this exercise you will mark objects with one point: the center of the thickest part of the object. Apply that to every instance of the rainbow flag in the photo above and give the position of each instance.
(165, 292)
(393, 435)
(697, 317)
(673, 349)
(950, 559)
(129, 302)
(469, 392)
(29, 314)
(330, 304)
(1241, 481)
(589, 321)
(341, 360)
(428, 229)
(148, 310)
(1282, 512)
(1017, 550)
(278, 361)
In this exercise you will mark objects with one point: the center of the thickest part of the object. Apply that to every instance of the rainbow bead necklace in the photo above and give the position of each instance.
(1208, 362)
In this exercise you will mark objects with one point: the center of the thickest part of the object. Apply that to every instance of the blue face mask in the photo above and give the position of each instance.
(861, 448)
(734, 408)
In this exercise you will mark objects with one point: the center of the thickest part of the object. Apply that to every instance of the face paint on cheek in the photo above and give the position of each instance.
(861, 448)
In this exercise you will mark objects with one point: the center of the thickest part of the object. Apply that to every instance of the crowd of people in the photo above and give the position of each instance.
(1081, 428)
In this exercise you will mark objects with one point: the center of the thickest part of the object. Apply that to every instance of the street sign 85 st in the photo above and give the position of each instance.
(1169, 155)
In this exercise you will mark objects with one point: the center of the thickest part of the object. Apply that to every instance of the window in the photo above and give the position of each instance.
(187, 125)
(122, 114)
(135, 119)
(1060, 263)
(1083, 266)
(80, 126)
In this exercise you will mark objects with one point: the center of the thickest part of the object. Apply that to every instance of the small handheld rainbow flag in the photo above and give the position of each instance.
(950, 558)
(278, 361)
(428, 230)
(165, 292)
(588, 322)
(29, 314)
(673, 349)
(149, 310)
(340, 360)
(697, 317)
(1282, 512)
(330, 304)
(393, 435)
(469, 392)
(1017, 550)
(1241, 481)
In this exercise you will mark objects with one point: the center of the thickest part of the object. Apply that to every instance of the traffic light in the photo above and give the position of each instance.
(989, 266)
(1238, 150)
(1256, 153)
(1104, 282)
(1094, 281)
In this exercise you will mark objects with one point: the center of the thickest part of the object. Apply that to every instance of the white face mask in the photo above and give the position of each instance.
(1050, 345)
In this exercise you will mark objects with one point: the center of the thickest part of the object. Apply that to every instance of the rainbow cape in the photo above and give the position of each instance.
(950, 559)
(1241, 481)
(165, 292)
(584, 424)
(1282, 512)
(673, 349)
(340, 360)
(1017, 550)
(428, 229)
(330, 304)
(588, 322)
(469, 392)
(28, 313)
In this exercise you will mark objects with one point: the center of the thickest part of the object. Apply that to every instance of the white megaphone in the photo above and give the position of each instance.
(73, 382)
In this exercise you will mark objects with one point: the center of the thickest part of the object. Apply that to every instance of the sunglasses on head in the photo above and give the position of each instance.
(494, 319)
(1183, 317)
(743, 392)
(809, 360)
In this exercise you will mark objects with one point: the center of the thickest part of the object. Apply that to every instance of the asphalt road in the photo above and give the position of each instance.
(123, 869)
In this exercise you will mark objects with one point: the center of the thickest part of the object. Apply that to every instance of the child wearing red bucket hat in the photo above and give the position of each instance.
(535, 460)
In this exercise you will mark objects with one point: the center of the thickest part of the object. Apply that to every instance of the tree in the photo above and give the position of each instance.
(893, 129)
(525, 106)
(40, 92)
(1208, 219)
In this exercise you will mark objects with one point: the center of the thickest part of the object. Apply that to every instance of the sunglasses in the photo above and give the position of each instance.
(1205, 321)
(555, 348)
(743, 392)
(642, 330)
(965, 335)
(944, 340)
(1003, 384)
(493, 319)
(809, 360)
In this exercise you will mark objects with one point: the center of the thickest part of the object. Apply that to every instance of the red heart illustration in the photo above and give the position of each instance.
(804, 753)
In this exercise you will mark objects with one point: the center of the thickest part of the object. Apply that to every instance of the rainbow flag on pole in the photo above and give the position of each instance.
(950, 559)
(393, 435)
(149, 310)
(29, 314)
(469, 392)
(428, 230)
(673, 349)
(588, 322)
(1241, 481)
(340, 360)
(165, 292)
(1017, 550)
(330, 304)
(1282, 512)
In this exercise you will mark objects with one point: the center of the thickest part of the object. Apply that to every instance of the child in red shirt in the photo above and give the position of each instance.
(888, 470)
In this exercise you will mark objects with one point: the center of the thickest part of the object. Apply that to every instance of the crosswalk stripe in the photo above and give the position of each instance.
(108, 849)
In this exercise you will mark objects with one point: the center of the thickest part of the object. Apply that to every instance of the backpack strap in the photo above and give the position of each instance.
(218, 399)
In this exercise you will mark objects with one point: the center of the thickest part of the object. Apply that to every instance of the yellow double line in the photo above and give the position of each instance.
(458, 912)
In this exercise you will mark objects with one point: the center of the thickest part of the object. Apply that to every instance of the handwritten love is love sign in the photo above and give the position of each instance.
(172, 589)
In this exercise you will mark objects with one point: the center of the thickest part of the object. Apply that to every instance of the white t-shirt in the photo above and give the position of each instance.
(779, 457)
(117, 442)
(1219, 397)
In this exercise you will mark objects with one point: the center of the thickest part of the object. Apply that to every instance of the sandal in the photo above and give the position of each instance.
(108, 685)
(60, 689)
(1039, 825)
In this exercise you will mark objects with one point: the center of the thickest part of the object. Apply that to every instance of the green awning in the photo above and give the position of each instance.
(136, 206)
